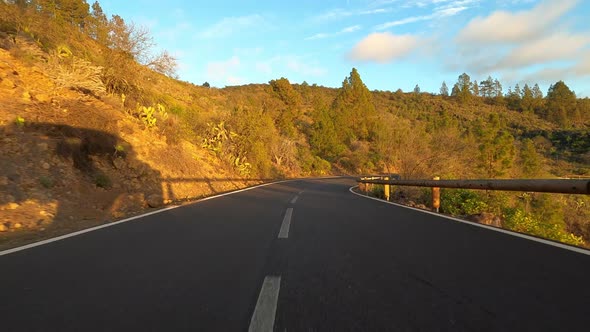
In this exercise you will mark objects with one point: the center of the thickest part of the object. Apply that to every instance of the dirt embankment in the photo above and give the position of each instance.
(71, 161)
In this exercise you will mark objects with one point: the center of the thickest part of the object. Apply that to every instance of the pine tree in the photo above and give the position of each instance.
(498, 95)
(538, 100)
(444, 90)
(464, 84)
(517, 91)
(486, 88)
(354, 109)
(475, 89)
(537, 93)
(561, 103)
(496, 146)
(456, 90)
(530, 159)
(417, 89)
(324, 139)
(97, 26)
(527, 101)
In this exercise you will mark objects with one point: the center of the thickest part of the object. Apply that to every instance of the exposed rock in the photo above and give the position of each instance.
(119, 163)
(16, 225)
(43, 147)
(26, 96)
(45, 165)
(12, 206)
(485, 218)
(3, 228)
(154, 200)
(421, 206)
(44, 98)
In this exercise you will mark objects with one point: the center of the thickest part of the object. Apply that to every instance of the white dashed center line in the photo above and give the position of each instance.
(294, 199)
(263, 318)
(284, 231)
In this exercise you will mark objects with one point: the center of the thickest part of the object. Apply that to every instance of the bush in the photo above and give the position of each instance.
(461, 202)
(47, 182)
(101, 180)
(69, 71)
(378, 191)
(520, 221)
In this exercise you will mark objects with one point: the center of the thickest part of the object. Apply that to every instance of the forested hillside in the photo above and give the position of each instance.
(469, 129)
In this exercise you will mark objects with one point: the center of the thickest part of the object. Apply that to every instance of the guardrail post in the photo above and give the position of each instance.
(386, 190)
(436, 196)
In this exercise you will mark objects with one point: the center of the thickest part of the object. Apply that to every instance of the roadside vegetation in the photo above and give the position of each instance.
(469, 129)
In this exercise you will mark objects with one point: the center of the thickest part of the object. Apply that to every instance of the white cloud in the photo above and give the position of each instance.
(351, 29)
(229, 25)
(560, 46)
(533, 44)
(383, 47)
(323, 35)
(337, 14)
(440, 12)
(320, 35)
(583, 67)
(504, 26)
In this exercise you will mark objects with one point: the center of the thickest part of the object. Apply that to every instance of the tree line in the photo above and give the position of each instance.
(560, 105)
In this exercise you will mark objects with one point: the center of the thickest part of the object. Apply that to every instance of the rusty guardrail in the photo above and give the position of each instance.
(557, 186)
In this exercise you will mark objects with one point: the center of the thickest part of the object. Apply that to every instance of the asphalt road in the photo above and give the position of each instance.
(304, 255)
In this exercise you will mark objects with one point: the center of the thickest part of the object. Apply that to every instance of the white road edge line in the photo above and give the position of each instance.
(495, 229)
(62, 237)
(284, 231)
(263, 318)
(294, 200)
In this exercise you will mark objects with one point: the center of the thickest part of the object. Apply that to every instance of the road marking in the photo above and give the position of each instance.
(40, 243)
(263, 318)
(301, 192)
(62, 237)
(491, 228)
(284, 231)
(294, 200)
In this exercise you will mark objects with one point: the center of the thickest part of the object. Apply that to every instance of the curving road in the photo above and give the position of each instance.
(305, 255)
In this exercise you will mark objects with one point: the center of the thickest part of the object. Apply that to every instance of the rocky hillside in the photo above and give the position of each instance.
(73, 160)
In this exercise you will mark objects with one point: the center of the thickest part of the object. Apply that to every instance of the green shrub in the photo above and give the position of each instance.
(520, 221)
(461, 202)
(47, 182)
(378, 191)
(101, 180)
(146, 115)
(19, 121)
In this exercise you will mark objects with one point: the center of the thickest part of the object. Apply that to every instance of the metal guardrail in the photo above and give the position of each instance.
(558, 186)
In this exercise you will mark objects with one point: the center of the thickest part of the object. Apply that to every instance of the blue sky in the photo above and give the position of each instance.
(393, 43)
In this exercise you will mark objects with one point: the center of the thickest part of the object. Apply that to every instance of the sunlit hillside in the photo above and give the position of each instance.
(64, 63)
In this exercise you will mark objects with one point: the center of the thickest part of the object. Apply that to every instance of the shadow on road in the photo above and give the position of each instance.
(40, 191)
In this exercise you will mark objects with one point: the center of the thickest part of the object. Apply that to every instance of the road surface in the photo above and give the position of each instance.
(304, 255)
